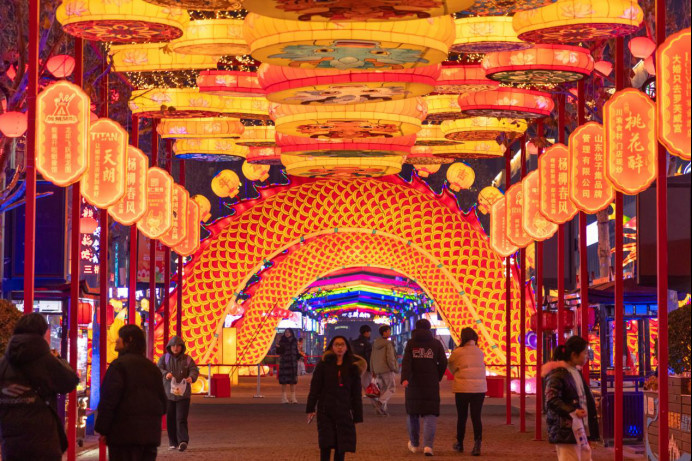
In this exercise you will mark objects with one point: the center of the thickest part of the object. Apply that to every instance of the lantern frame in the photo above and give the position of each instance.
(485, 34)
(442, 107)
(258, 136)
(264, 155)
(229, 83)
(465, 150)
(204, 5)
(535, 224)
(202, 127)
(463, 78)
(341, 167)
(506, 102)
(209, 149)
(155, 57)
(482, 128)
(425, 159)
(432, 135)
(212, 37)
(376, 147)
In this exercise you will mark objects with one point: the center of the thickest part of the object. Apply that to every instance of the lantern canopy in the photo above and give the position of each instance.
(180, 199)
(432, 135)
(460, 176)
(553, 179)
(13, 124)
(485, 34)
(463, 78)
(514, 202)
(190, 243)
(157, 220)
(156, 57)
(442, 107)
(482, 128)
(203, 127)
(208, 5)
(507, 102)
(534, 223)
(264, 155)
(103, 183)
(498, 229)
(368, 147)
(133, 204)
(175, 103)
(229, 83)
(60, 66)
(589, 188)
(466, 149)
(212, 37)
(342, 167)
(209, 149)
(258, 136)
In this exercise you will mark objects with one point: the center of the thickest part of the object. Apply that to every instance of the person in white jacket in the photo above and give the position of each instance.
(468, 367)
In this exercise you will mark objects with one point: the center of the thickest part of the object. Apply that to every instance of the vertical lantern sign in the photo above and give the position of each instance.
(630, 141)
(553, 180)
(674, 94)
(62, 126)
(514, 198)
(535, 224)
(190, 243)
(132, 206)
(103, 184)
(498, 229)
(588, 188)
(176, 233)
(158, 218)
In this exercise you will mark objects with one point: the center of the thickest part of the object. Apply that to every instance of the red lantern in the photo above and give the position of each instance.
(88, 225)
(553, 179)
(103, 184)
(13, 124)
(514, 214)
(588, 188)
(61, 66)
(603, 67)
(650, 65)
(534, 223)
(642, 47)
(84, 313)
(498, 230)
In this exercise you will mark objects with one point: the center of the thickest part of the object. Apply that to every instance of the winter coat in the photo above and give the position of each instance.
(288, 360)
(561, 399)
(29, 423)
(181, 367)
(468, 367)
(361, 346)
(133, 401)
(383, 358)
(336, 392)
(423, 366)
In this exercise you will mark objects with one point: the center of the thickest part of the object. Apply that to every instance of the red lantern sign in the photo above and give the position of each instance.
(674, 94)
(176, 234)
(158, 218)
(190, 243)
(103, 184)
(515, 231)
(62, 128)
(630, 135)
(498, 229)
(588, 188)
(132, 206)
(535, 224)
(553, 180)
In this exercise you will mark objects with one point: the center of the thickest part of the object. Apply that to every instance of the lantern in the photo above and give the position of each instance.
(673, 94)
(641, 47)
(487, 197)
(432, 135)
(212, 37)
(103, 183)
(442, 107)
(466, 149)
(553, 180)
(630, 141)
(533, 222)
(229, 83)
(426, 170)
(179, 203)
(84, 313)
(60, 66)
(482, 128)
(460, 176)
(508, 103)
(202, 127)
(158, 219)
(574, 21)
(514, 202)
(349, 45)
(180, 103)
(650, 65)
(87, 225)
(255, 172)
(62, 128)
(156, 57)
(264, 155)
(132, 206)
(289, 85)
(210, 5)
(341, 167)
(13, 124)
(463, 78)
(258, 136)
(134, 21)
(369, 147)
(603, 67)
(589, 189)
(498, 229)
(542, 64)
(209, 149)
(503, 8)
(485, 34)
(204, 207)
(424, 158)
(190, 243)
(226, 183)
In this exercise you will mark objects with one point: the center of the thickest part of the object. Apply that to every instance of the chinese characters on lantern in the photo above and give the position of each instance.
(553, 180)
(498, 229)
(589, 189)
(176, 233)
(158, 217)
(190, 243)
(515, 231)
(535, 224)
(132, 206)
(103, 184)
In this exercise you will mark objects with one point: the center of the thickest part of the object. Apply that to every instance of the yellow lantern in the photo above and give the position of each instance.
(202, 127)
(255, 172)
(503, 7)
(258, 136)
(467, 149)
(349, 45)
(131, 21)
(432, 135)
(426, 170)
(226, 184)
(208, 5)
(460, 176)
(155, 57)
(264, 155)
(204, 207)
(482, 128)
(229, 83)
(175, 103)
(485, 34)
(463, 78)
(212, 37)
(246, 107)
(209, 149)
(341, 167)
(487, 198)
(442, 107)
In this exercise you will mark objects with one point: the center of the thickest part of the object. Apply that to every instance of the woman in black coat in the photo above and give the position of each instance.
(287, 348)
(335, 391)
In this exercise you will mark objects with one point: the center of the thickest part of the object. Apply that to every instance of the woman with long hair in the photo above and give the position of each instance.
(287, 348)
(335, 398)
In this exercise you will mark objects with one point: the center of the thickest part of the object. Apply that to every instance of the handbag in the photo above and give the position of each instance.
(178, 387)
(373, 390)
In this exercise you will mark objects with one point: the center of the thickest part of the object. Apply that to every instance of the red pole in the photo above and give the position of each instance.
(181, 279)
(103, 268)
(132, 287)
(522, 314)
(583, 256)
(508, 305)
(152, 256)
(167, 265)
(539, 319)
(561, 237)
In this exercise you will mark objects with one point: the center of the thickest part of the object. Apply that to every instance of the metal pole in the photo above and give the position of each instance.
(152, 255)
(103, 268)
(539, 319)
(583, 256)
(167, 266)
(181, 279)
(508, 305)
(522, 314)
(561, 238)
(258, 392)
(209, 376)
(132, 287)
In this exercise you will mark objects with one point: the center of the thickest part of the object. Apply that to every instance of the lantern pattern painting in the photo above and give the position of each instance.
(534, 223)
(103, 183)
(264, 155)
(498, 229)
(553, 178)
(176, 234)
(589, 188)
(466, 149)
(341, 167)
(204, 5)
(258, 136)
(424, 158)
(155, 57)
(432, 135)
(132, 206)
(202, 127)
(485, 34)
(209, 149)
(442, 107)
(514, 202)
(158, 218)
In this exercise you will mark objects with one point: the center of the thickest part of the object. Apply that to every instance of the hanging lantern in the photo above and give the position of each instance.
(255, 172)
(460, 176)
(103, 183)
(226, 184)
(88, 225)
(212, 37)
(553, 173)
(487, 197)
(498, 230)
(589, 189)
(641, 47)
(534, 223)
(482, 128)
(442, 107)
(426, 170)
(673, 94)
(203, 127)
(289, 85)
(190, 243)
(466, 150)
(204, 207)
(209, 149)
(650, 65)
(507, 103)
(156, 57)
(264, 155)
(629, 122)
(258, 136)
(432, 135)
(575, 21)
(11, 73)
(13, 124)
(349, 45)
(158, 219)
(84, 313)
(132, 206)
(133, 21)
(229, 83)
(175, 103)
(603, 67)
(424, 158)
(542, 64)
(485, 34)
(62, 128)
(60, 66)
(514, 202)
(204, 5)
(179, 203)
(370, 147)
(503, 7)
(341, 167)
(463, 78)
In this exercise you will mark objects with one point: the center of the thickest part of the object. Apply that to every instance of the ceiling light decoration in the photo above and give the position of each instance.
(204, 5)
(466, 150)
(229, 83)
(203, 127)
(258, 136)
(482, 128)
(485, 34)
(507, 103)
(155, 57)
(341, 167)
(209, 150)
(432, 135)
(212, 37)
(369, 147)
(463, 78)
(442, 107)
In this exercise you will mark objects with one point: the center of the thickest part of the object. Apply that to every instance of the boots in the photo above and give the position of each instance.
(476, 448)
(293, 394)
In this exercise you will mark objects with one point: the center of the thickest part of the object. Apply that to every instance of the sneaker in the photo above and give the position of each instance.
(458, 447)
(428, 451)
(411, 448)
(284, 399)
(182, 446)
(173, 447)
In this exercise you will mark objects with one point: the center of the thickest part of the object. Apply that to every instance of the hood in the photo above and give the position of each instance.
(25, 348)
(380, 343)
(358, 361)
(175, 341)
(550, 366)
(422, 335)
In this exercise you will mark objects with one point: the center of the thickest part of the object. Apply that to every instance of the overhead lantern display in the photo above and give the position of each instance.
(209, 149)
(258, 136)
(204, 5)
(349, 45)
(589, 188)
(507, 103)
(226, 184)
(424, 158)
(156, 57)
(487, 197)
(534, 223)
(229, 83)
(264, 155)
(191, 242)
(460, 176)
(288, 85)
(103, 183)
(175, 103)
(202, 127)
(432, 135)
(482, 128)
(180, 199)
(367, 147)
(463, 78)
(498, 229)
(134, 21)
(212, 37)
(575, 21)
(503, 7)
(553, 179)
(341, 167)
(466, 149)
(485, 34)
(158, 218)
(442, 107)
(132, 206)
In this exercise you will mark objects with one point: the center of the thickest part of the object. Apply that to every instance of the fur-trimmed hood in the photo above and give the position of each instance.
(550, 366)
(358, 361)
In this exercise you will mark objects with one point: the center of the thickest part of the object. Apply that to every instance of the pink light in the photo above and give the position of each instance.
(529, 386)
(642, 47)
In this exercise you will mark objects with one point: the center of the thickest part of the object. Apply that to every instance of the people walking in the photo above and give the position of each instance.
(179, 371)
(384, 367)
(362, 347)
(287, 348)
(467, 364)
(570, 406)
(335, 398)
(31, 377)
(301, 357)
(133, 401)
(422, 369)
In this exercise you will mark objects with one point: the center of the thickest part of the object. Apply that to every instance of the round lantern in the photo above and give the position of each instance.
(507, 103)
(460, 176)
(503, 7)
(229, 83)
(467, 149)
(426, 170)
(264, 155)
(370, 147)
(60, 66)
(341, 167)
(482, 128)
(258, 136)
(255, 172)
(212, 37)
(349, 45)
(650, 65)
(463, 78)
(204, 207)
(13, 124)
(442, 107)
(487, 197)
(132, 21)
(175, 103)
(156, 57)
(485, 34)
(84, 313)
(226, 183)
(424, 158)
(573, 21)
(288, 85)
(88, 225)
(202, 127)
(208, 5)
(209, 150)
(542, 64)
(603, 67)
(432, 135)
(641, 47)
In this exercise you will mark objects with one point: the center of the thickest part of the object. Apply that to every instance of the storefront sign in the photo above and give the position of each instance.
(132, 206)
(589, 189)
(515, 230)
(103, 184)
(498, 229)
(158, 217)
(534, 223)
(176, 233)
(553, 180)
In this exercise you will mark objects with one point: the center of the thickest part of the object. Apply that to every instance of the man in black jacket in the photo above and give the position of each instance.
(30, 379)
(133, 401)
(362, 347)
